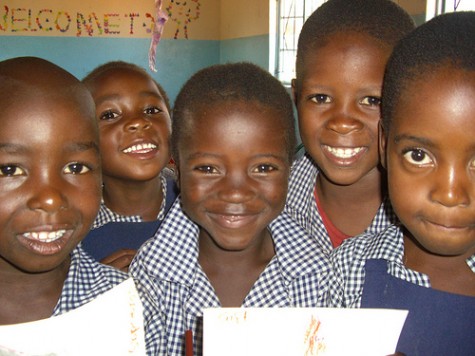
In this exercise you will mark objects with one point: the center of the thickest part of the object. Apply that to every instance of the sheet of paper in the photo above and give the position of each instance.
(112, 324)
(301, 331)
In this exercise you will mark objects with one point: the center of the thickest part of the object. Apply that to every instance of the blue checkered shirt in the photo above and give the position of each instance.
(301, 205)
(348, 265)
(106, 215)
(86, 280)
(175, 289)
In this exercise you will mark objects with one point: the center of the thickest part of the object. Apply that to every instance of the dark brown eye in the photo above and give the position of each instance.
(10, 171)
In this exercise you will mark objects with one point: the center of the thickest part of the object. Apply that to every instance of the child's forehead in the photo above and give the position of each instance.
(69, 103)
(349, 39)
(442, 97)
(133, 79)
(215, 112)
(231, 120)
(120, 73)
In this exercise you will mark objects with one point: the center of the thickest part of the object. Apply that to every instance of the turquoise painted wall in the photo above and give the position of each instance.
(176, 59)
(253, 49)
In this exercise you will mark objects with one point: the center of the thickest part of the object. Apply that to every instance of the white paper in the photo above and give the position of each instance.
(112, 324)
(301, 331)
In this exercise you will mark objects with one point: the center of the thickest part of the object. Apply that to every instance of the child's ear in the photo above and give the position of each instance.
(177, 175)
(382, 144)
(293, 84)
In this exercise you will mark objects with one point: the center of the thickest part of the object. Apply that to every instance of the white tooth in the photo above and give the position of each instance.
(45, 236)
(344, 152)
(140, 147)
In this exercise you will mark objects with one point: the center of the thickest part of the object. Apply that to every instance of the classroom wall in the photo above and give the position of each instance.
(245, 31)
(81, 34)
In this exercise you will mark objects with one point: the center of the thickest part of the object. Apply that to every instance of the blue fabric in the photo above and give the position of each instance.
(112, 237)
(438, 323)
(131, 234)
(347, 273)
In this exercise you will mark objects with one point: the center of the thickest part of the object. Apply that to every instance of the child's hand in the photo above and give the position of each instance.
(120, 259)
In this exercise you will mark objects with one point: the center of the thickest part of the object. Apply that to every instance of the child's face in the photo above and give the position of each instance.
(134, 125)
(338, 106)
(49, 177)
(233, 171)
(430, 156)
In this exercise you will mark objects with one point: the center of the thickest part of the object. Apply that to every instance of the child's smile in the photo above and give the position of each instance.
(142, 150)
(343, 156)
(45, 242)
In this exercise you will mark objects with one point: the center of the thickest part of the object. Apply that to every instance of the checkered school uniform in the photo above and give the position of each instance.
(106, 215)
(301, 205)
(348, 265)
(86, 280)
(175, 289)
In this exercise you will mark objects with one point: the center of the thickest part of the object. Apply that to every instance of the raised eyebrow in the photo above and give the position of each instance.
(198, 155)
(145, 93)
(420, 140)
(13, 148)
(71, 147)
(103, 98)
(82, 146)
(270, 155)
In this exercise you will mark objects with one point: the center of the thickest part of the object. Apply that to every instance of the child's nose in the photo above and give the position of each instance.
(137, 124)
(47, 198)
(451, 188)
(236, 188)
(344, 120)
(343, 124)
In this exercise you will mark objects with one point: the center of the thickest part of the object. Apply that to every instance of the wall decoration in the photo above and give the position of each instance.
(71, 21)
(160, 20)
(182, 12)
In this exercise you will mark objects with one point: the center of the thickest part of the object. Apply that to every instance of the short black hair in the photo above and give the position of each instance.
(103, 68)
(445, 41)
(228, 82)
(384, 20)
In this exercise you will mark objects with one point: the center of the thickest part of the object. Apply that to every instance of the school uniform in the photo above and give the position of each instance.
(302, 207)
(368, 271)
(111, 231)
(86, 280)
(175, 289)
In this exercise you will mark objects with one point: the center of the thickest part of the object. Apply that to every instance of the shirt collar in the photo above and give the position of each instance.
(175, 245)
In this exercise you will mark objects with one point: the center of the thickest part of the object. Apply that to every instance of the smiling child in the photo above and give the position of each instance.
(50, 181)
(337, 188)
(132, 111)
(225, 241)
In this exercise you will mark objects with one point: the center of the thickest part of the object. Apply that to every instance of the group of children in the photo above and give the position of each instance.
(250, 227)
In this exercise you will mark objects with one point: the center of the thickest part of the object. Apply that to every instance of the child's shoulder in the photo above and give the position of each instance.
(303, 166)
(86, 280)
(172, 249)
(294, 243)
(386, 244)
(92, 274)
(303, 175)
